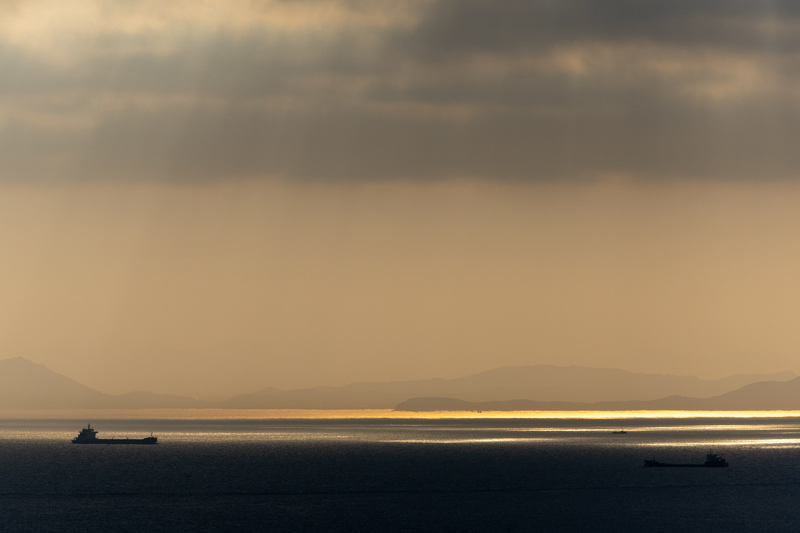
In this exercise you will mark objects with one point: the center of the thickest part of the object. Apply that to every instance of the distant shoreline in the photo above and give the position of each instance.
(365, 414)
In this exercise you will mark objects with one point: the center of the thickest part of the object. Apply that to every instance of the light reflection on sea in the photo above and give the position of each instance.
(384, 471)
(317, 414)
(643, 428)
(763, 443)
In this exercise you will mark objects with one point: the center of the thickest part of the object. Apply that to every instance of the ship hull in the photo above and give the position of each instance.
(656, 464)
(148, 440)
(667, 465)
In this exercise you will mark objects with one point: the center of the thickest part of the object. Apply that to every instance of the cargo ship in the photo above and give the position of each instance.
(712, 461)
(89, 436)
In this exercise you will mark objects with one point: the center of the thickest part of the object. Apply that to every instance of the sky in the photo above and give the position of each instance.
(213, 197)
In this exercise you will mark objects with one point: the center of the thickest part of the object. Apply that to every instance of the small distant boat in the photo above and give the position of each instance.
(620, 432)
(712, 461)
(89, 436)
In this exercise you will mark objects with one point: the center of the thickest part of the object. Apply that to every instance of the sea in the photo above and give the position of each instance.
(386, 471)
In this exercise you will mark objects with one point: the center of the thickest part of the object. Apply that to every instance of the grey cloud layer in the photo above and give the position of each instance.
(479, 25)
(495, 90)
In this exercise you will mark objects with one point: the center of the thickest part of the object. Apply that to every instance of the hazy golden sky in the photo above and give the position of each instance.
(205, 197)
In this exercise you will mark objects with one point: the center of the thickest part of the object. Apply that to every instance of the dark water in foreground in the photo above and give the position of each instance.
(401, 475)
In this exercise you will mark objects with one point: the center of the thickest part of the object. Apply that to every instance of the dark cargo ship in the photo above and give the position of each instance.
(712, 461)
(89, 436)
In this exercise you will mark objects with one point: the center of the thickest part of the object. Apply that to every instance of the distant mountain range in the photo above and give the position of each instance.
(765, 395)
(544, 383)
(27, 385)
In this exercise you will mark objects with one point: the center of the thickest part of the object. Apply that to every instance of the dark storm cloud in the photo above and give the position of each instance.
(496, 90)
(474, 26)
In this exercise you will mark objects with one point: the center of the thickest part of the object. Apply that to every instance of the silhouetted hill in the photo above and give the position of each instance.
(543, 383)
(584, 384)
(768, 395)
(27, 385)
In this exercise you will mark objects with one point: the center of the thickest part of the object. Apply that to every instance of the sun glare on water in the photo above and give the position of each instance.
(366, 414)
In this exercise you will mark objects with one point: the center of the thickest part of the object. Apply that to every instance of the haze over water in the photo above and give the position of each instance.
(403, 474)
(212, 198)
(208, 198)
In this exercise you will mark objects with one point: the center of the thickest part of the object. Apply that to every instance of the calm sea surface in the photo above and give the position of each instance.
(402, 475)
